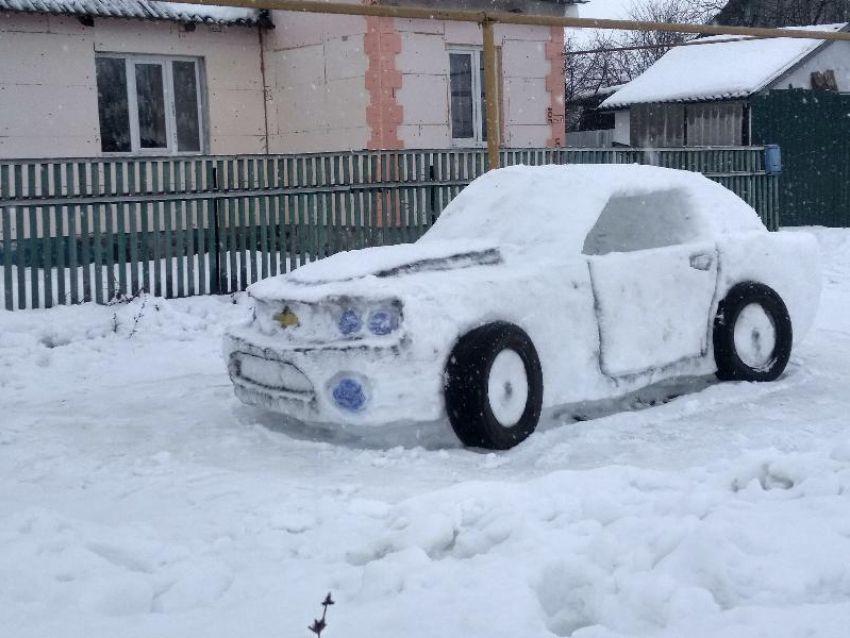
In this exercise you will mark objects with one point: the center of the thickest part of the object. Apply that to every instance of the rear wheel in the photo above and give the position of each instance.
(752, 334)
(494, 387)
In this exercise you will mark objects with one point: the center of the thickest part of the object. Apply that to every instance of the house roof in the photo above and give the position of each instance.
(139, 9)
(720, 68)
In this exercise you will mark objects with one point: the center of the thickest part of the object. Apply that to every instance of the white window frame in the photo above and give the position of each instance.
(478, 124)
(166, 62)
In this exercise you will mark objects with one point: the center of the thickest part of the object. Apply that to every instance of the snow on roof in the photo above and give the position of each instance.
(140, 9)
(727, 68)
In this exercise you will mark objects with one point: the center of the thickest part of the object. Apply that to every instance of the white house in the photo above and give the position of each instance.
(133, 77)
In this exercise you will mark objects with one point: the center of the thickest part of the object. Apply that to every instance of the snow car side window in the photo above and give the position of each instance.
(642, 221)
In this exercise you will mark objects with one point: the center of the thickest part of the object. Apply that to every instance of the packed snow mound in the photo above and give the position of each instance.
(142, 499)
(553, 208)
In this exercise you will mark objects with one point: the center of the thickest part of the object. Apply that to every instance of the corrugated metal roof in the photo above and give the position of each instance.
(139, 9)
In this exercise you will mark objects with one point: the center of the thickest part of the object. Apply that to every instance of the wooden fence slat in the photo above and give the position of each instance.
(263, 221)
(34, 243)
(121, 256)
(251, 229)
(6, 214)
(179, 225)
(168, 228)
(155, 213)
(133, 227)
(84, 237)
(97, 240)
(46, 237)
(20, 243)
(145, 230)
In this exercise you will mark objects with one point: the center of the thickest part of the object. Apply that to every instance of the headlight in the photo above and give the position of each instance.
(350, 323)
(383, 321)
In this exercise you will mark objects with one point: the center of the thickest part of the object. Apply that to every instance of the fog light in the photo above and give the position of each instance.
(349, 395)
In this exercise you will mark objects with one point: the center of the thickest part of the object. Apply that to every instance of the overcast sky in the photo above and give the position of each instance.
(612, 9)
(604, 9)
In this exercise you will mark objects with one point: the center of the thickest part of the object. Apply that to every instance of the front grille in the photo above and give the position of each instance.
(271, 374)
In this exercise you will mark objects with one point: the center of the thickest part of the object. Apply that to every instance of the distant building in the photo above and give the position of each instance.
(701, 95)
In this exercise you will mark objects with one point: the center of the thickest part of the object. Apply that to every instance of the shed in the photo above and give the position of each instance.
(701, 94)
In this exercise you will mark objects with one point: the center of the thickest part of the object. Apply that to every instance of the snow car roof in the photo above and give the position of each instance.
(555, 207)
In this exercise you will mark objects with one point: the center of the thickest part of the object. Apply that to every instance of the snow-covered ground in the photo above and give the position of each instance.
(140, 498)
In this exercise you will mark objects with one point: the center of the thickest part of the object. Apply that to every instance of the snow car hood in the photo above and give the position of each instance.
(381, 266)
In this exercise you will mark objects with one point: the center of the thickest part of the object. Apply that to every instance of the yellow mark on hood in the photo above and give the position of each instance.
(287, 318)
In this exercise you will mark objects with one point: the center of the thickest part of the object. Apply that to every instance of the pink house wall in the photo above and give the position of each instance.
(315, 68)
(48, 85)
(354, 83)
(314, 83)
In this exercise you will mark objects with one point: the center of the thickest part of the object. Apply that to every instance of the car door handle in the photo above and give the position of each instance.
(702, 261)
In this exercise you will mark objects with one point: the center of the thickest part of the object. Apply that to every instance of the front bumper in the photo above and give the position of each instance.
(300, 381)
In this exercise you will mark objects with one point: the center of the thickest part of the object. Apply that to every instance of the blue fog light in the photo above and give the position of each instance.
(382, 322)
(350, 323)
(348, 394)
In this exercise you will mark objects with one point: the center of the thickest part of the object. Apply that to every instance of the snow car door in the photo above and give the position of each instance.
(653, 284)
(653, 306)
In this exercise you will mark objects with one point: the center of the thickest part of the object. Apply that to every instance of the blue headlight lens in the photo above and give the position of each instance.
(350, 323)
(348, 394)
(382, 322)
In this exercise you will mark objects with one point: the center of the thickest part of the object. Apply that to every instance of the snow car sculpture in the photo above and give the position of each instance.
(537, 287)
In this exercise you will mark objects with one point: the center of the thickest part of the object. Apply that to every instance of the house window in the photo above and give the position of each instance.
(149, 104)
(468, 106)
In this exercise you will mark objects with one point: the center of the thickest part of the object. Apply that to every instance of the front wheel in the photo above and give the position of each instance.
(494, 387)
(752, 334)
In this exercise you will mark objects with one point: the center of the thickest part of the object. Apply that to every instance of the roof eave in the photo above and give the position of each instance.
(689, 100)
(77, 12)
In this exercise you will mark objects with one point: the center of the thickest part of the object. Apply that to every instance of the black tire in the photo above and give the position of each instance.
(730, 366)
(466, 387)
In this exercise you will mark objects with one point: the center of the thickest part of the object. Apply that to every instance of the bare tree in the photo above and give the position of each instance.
(608, 58)
(783, 13)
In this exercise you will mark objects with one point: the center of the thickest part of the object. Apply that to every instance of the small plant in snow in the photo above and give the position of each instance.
(139, 316)
(319, 624)
(120, 298)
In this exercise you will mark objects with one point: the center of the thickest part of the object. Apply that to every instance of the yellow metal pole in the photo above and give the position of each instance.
(491, 88)
(425, 13)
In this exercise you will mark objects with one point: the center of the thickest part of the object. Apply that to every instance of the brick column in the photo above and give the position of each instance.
(382, 43)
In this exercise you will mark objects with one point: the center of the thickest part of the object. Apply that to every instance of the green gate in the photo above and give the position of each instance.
(812, 128)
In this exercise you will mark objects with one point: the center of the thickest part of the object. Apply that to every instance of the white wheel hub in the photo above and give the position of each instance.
(507, 388)
(755, 337)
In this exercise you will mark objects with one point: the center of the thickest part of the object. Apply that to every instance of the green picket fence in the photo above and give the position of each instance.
(99, 229)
